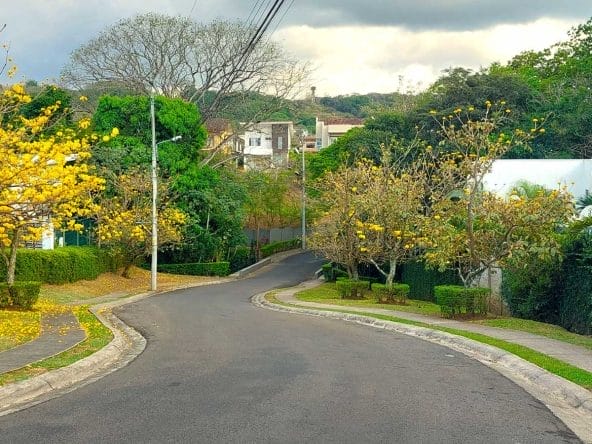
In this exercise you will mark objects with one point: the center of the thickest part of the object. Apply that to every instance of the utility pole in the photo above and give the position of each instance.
(154, 264)
(303, 200)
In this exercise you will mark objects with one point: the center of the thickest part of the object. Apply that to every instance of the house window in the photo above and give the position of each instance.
(280, 143)
(254, 141)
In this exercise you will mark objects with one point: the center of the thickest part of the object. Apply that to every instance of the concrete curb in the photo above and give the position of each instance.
(127, 343)
(268, 260)
(568, 401)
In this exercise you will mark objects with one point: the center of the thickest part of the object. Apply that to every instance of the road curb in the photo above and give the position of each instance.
(568, 401)
(126, 344)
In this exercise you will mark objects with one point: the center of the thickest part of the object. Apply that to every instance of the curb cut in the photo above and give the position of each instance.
(571, 403)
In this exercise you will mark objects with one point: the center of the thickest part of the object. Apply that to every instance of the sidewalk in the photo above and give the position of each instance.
(572, 354)
(59, 332)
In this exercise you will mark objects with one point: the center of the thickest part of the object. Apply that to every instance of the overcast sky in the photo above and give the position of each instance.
(354, 45)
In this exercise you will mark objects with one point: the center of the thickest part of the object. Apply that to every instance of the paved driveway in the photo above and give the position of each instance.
(217, 369)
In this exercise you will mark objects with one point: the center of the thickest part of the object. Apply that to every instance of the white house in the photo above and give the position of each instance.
(267, 143)
(575, 174)
(329, 129)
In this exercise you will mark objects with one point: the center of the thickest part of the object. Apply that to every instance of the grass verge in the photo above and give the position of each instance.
(552, 365)
(327, 294)
(97, 336)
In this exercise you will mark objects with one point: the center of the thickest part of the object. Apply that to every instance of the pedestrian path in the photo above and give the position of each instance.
(59, 332)
(572, 354)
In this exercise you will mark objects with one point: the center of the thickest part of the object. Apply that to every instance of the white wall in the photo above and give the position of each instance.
(576, 174)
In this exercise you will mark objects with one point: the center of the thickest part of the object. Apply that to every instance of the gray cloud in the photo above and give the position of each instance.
(435, 14)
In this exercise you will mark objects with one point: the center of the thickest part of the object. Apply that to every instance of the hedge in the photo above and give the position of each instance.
(395, 293)
(575, 308)
(62, 265)
(241, 258)
(277, 247)
(20, 294)
(351, 289)
(455, 299)
(422, 281)
(197, 268)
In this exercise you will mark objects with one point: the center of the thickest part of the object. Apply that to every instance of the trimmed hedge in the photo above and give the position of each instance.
(455, 299)
(21, 294)
(62, 265)
(395, 293)
(422, 281)
(197, 268)
(575, 308)
(351, 289)
(277, 247)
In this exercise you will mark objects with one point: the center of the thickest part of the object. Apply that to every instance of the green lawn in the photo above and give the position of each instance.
(540, 328)
(327, 294)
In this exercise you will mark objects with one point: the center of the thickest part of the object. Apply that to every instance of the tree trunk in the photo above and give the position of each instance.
(10, 272)
(127, 271)
(390, 277)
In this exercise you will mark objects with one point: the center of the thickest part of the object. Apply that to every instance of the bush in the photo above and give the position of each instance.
(455, 299)
(422, 281)
(575, 309)
(395, 293)
(21, 294)
(5, 299)
(25, 294)
(197, 268)
(531, 290)
(277, 247)
(62, 265)
(241, 258)
(351, 289)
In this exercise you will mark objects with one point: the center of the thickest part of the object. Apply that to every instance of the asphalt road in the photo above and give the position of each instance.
(217, 369)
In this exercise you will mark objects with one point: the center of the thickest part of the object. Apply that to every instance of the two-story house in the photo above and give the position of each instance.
(267, 144)
(329, 129)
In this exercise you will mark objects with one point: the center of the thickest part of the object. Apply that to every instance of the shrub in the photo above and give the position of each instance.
(241, 257)
(62, 265)
(395, 293)
(351, 289)
(5, 299)
(575, 308)
(197, 268)
(422, 281)
(24, 294)
(21, 294)
(455, 299)
(276, 247)
(531, 290)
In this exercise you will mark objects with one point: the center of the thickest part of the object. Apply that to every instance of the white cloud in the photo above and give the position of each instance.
(372, 58)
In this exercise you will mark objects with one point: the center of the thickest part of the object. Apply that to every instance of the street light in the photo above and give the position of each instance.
(303, 201)
(154, 264)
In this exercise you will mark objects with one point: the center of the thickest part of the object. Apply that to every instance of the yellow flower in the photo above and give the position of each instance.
(83, 98)
(106, 138)
(115, 132)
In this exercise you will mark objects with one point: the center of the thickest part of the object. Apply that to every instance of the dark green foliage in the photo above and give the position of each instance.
(351, 289)
(24, 294)
(5, 300)
(331, 272)
(276, 247)
(532, 291)
(241, 257)
(48, 96)
(62, 265)
(395, 293)
(576, 303)
(197, 269)
(455, 299)
(422, 281)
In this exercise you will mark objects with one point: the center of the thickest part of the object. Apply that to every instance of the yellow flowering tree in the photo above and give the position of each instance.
(391, 224)
(336, 234)
(474, 229)
(124, 221)
(44, 180)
